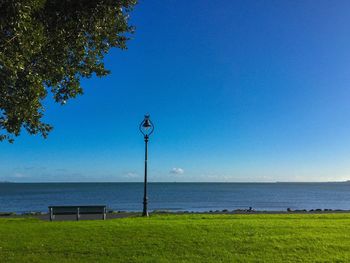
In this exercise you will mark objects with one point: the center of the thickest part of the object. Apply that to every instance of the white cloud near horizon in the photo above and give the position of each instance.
(177, 171)
(19, 175)
(131, 175)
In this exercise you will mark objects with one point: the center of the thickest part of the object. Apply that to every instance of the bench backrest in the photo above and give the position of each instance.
(67, 210)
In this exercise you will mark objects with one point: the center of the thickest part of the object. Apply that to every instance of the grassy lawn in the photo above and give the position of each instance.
(180, 238)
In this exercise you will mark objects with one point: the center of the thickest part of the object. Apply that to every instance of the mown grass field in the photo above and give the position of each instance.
(180, 238)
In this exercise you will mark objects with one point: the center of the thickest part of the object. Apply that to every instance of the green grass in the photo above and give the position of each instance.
(180, 238)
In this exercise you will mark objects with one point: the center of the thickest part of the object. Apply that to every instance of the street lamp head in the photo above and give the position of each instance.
(146, 126)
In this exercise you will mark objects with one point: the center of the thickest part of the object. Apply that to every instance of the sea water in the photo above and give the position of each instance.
(197, 197)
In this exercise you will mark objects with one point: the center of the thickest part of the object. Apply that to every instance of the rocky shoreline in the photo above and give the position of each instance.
(224, 211)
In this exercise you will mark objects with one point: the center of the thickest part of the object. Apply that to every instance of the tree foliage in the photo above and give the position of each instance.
(46, 47)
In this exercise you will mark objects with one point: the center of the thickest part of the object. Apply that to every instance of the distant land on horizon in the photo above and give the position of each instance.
(277, 182)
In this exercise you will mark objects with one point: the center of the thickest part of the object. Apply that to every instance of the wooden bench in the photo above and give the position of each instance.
(77, 210)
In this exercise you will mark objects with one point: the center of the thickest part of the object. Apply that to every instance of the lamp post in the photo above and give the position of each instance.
(146, 128)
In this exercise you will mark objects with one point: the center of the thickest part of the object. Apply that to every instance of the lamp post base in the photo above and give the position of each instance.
(145, 210)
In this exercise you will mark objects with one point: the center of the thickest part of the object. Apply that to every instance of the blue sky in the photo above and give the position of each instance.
(246, 91)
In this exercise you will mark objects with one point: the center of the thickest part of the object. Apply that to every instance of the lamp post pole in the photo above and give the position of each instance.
(146, 128)
(145, 198)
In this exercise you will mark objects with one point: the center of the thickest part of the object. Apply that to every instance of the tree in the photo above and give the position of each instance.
(46, 47)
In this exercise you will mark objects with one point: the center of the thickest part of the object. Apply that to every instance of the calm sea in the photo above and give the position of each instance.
(20, 197)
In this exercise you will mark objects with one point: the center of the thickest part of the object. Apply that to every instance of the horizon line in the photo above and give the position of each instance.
(174, 182)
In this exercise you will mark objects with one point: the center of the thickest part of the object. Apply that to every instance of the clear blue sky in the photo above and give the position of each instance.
(238, 91)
